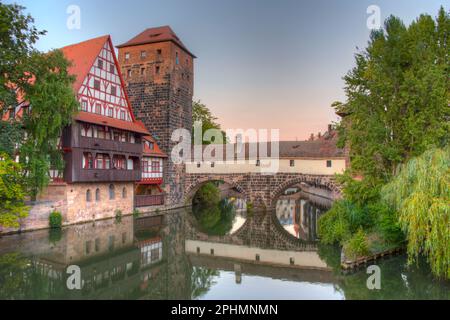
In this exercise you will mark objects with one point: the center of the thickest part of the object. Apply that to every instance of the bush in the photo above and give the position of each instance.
(136, 213)
(334, 226)
(118, 215)
(357, 245)
(55, 220)
(387, 224)
(207, 195)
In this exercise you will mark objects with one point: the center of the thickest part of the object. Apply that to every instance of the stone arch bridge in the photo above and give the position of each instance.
(260, 189)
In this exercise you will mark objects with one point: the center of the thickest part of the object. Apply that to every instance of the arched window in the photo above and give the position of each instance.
(112, 192)
(88, 195)
(124, 192)
(97, 195)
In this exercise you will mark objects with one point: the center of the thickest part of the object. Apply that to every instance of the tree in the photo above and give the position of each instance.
(43, 81)
(397, 96)
(12, 207)
(17, 38)
(421, 195)
(200, 112)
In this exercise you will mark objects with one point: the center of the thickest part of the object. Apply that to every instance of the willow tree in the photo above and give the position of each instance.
(421, 195)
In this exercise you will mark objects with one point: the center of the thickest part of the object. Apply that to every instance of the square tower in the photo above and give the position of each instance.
(158, 72)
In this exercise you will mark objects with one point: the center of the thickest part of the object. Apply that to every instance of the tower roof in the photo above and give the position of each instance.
(155, 35)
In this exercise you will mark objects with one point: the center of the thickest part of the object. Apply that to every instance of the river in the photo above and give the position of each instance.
(182, 255)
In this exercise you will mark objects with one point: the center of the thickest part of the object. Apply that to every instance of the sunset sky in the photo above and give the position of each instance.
(261, 64)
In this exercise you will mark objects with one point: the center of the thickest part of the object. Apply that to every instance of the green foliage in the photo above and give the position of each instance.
(421, 195)
(17, 39)
(55, 220)
(54, 235)
(43, 80)
(12, 206)
(397, 96)
(136, 213)
(200, 112)
(118, 215)
(215, 220)
(334, 226)
(53, 105)
(11, 134)
(207, 195)
(357, 245)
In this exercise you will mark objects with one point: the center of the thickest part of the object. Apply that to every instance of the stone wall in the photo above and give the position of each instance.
(71, 201)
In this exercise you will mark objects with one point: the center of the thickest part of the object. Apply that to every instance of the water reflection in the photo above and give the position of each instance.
(299, 212)
(169, 258)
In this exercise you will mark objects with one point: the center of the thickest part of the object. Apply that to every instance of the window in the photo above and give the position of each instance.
(97, 245)
(84, 105)
(157, 69)
(124, 193)
(97, 195)
(113, 90)
(129, 73)
(119, 162)
(159, 52)
(88, 195)
(156, 167)
(143, 54)
(198, 165)
(142, 71)
(97, 84)
(101, 132)
(127, 56)
(110, 112)
(177, 60)
(112, 192)
(122, 115)
(112, 68)
(102, 161)
(151, 145)
(258, 163)
(88, 161)
(100, 64)
(98, 108)
(292, 163)
(213, 164)
(329, 163)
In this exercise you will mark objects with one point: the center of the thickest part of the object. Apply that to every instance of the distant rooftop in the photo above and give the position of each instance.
(155, 35)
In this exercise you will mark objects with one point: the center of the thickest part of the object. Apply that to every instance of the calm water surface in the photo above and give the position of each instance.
(223, 253)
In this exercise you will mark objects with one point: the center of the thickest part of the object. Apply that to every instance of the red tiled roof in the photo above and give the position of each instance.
(83, 55)
(111, 122)
(156, 152)
(154, 35)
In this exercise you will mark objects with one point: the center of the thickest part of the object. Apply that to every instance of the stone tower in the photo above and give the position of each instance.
(159, 74)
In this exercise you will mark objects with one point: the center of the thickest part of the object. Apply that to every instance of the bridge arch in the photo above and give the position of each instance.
(326, 182)
(194, 185)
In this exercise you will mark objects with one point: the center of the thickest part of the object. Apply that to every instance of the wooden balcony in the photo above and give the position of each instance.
(111, 175)
(149, 200)
(110, 145)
